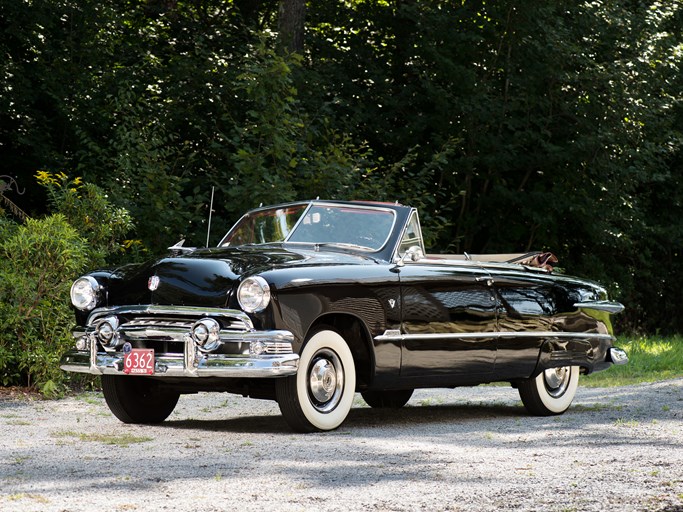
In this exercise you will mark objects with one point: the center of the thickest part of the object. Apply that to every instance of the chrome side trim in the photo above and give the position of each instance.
(395, 335)
(601, 305)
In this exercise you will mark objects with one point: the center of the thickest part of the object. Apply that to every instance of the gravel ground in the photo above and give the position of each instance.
(463, 449)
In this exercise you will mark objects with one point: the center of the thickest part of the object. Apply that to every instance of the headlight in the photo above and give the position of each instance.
(253, 294)
(84, 293)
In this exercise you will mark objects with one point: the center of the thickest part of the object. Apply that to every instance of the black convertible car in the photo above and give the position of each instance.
(309, 302)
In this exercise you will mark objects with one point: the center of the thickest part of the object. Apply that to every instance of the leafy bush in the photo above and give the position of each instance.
(37, 264)
(87, 208)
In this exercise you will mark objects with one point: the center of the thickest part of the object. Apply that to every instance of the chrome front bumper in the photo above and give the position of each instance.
(244, 351)
(187, 365)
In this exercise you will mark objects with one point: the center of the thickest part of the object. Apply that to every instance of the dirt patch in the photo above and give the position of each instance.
(18, 393)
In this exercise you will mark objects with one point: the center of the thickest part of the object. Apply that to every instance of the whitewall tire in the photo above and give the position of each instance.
(320, 395)
(551, 392)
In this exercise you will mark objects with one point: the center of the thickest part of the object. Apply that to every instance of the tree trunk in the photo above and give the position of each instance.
(291, 17)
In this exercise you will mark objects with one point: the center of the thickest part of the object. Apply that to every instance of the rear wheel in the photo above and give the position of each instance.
(137, 399)
(551, 392)
(387, 399)
(320, 395)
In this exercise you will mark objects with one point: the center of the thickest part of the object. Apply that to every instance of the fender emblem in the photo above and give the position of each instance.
(153, 283)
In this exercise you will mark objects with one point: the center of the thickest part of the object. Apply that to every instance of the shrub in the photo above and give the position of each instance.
(88, 209)
(38, 261)
(37, 264)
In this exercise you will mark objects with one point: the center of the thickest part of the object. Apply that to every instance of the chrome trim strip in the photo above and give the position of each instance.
(395, 335)
(145, 333)
(432, 260)
(601, 305)
(190, 311)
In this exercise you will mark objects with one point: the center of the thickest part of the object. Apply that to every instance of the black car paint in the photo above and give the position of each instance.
(311, 286)
(312, 314)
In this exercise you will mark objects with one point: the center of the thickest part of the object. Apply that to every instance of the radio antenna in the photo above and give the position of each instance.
(208, 230)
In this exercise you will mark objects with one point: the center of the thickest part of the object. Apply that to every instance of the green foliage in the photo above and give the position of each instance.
(278, 152)
(37, 263)
(87, 207)
(510, 125)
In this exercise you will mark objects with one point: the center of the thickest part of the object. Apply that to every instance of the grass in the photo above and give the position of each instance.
(22, 496)
(113, 439)
(651, 359)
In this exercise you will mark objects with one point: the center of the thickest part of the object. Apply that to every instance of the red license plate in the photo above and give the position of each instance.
(139, 361)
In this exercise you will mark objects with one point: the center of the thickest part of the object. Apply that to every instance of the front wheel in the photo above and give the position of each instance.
(551, 392)
(137, 399)
(320, 395)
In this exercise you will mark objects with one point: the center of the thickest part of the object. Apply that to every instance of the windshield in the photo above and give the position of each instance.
(264, 226)
(360, 227)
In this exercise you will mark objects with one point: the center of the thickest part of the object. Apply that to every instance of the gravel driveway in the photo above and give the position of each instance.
(463, 449)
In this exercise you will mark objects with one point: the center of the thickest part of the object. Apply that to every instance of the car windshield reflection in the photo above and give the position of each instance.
(356, 227)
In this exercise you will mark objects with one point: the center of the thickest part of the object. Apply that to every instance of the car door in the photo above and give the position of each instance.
(448, 323)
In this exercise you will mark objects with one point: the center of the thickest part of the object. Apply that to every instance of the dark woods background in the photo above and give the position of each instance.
(510, 125)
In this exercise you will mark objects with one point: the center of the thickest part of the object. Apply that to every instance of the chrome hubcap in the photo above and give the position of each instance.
(557, 380)
(325, 381)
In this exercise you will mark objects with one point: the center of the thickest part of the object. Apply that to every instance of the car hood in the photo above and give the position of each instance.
(207, 277)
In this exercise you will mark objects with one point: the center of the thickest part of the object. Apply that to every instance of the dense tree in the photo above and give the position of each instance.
(511, 125)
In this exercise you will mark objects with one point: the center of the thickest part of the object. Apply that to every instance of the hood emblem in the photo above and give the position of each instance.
(153, 283)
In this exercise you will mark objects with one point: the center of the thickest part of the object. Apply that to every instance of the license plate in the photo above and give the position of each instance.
(139, 361)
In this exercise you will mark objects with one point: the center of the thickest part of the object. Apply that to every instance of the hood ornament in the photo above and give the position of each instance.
(153, 283)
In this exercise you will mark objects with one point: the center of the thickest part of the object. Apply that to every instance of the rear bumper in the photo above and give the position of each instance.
(593, 352)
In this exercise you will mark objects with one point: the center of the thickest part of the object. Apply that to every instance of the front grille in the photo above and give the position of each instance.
(157, 322)
(167, 329)
(229, 324)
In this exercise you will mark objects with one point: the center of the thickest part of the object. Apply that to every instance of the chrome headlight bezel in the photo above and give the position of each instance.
(84, 293)
(253, 294)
